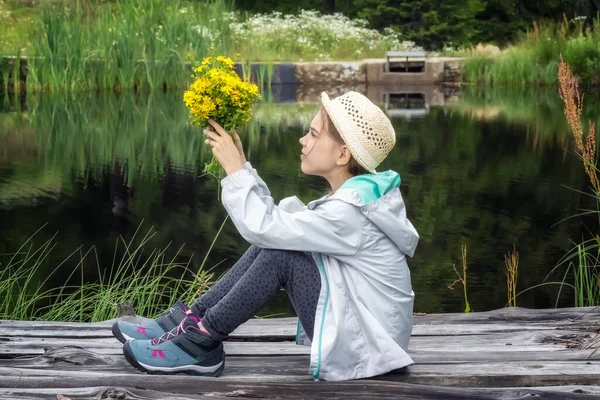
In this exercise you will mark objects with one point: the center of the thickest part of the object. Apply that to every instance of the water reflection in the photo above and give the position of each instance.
(485, 169)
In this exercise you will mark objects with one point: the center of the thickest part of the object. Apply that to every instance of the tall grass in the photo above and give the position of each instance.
(151, 280)
(533, 59)
(462, 278)
(511, 261)
(147, 44)
(140, 44)
(582, 263)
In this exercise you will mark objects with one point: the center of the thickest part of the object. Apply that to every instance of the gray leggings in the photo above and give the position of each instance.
(257, 276)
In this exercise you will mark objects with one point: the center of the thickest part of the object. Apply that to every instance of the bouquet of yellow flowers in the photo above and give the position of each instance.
(217, 92)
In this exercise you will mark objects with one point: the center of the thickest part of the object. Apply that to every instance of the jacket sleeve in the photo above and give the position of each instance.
(333, 228)
(263, 190)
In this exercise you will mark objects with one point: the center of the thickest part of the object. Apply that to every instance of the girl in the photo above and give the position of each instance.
(341, 258)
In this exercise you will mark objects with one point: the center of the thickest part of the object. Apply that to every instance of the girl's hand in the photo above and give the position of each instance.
(224, 149)
(238, 144)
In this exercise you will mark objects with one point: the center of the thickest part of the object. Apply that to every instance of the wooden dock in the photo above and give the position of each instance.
(510, 353)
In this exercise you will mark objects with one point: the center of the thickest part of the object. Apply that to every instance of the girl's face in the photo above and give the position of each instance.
(320, 153)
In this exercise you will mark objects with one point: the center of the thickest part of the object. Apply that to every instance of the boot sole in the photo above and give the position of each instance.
(117, 333)
(189, 370)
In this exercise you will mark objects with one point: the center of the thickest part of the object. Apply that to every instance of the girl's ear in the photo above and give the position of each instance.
(344, 156)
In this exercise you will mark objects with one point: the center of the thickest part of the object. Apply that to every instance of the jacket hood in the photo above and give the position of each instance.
(378, 196)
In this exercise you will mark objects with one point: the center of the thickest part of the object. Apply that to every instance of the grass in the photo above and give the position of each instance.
(511, 261)
(582, 263)
(579, 269)
(151, 280)
(147, 44)
(534, 58)
(16, 26)
(462, 279)
(141, 44)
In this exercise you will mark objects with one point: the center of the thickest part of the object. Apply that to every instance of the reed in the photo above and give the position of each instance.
(462, 278)
(533, 59)
(137, 44)
(581, 264)
(146, 44)
(511, 261)
(151, 280)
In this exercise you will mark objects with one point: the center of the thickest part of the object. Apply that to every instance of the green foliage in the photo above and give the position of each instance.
(90, 44)
(533, 60)
(436, 23)
(152, 281)
(431, 24)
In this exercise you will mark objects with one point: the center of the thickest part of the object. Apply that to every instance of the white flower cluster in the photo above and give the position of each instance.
(317, 33)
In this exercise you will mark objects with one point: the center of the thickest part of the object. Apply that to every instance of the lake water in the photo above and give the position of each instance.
(484, 169)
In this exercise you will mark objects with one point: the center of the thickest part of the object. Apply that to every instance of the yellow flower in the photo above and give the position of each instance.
(218, 92)
(225, 60)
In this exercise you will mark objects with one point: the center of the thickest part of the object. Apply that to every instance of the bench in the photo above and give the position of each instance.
(406, 55)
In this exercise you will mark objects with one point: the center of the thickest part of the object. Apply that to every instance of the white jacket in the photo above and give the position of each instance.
(359, 238)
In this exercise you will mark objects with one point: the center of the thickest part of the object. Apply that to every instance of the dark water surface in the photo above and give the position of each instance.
(487, 170)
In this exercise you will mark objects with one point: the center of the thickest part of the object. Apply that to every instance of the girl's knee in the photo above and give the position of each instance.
(273, 254)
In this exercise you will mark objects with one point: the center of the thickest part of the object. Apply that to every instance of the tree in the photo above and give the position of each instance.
(430, 23)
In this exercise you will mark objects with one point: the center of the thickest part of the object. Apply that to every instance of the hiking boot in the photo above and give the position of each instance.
(125, 331)
(185, 349)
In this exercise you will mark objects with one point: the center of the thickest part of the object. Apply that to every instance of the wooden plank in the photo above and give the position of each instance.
(284, 328)
(333, 391)
(503, 374)
(502, 315)
(500, 342)
(67, 358)
(112, 346)
(281, 332)
(502, 320)
(510, 373)
(515, 374)
(115, 360)
(514, 315)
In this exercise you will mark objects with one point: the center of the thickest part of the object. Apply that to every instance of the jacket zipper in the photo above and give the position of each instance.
(317, 371)
(298, 327)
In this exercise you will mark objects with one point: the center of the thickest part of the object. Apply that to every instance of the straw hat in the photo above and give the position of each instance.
(365, 128)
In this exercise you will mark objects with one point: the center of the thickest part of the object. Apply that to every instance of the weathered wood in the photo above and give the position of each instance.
(496, 321)
(515, 315)
(333, 391)
(73, 358)
(284, 331)
(458, 356)
(460, 375)
(257, 386)
(485, 374)
(497, 342)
